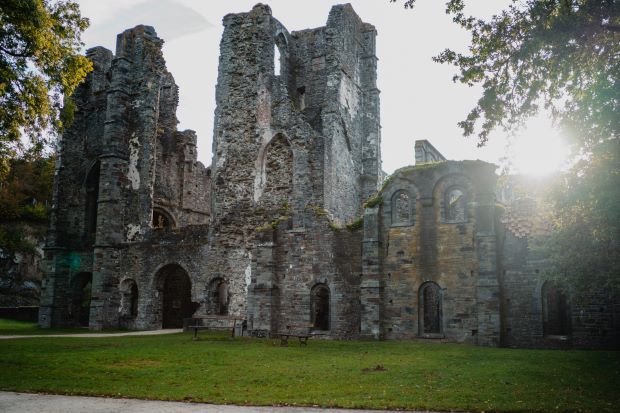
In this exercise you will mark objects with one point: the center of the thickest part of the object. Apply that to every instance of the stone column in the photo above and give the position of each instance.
(371, 286)
(262, 304)
(487, 288)
(371, 133)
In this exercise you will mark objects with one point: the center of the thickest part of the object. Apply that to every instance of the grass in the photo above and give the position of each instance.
(355, 374)
(12, 327)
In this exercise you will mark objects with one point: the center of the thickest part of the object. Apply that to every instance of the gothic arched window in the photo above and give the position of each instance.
(279, 54)
(161, 219)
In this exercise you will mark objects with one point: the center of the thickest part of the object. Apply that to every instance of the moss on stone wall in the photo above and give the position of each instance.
(373, 201)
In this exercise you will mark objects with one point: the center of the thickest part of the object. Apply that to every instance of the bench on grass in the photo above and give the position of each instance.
(298, 331)
(212, 322)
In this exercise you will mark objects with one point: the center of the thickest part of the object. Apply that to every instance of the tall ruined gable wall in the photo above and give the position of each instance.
(124, 111)
(351, 100)
(277, 138)
(79, 149)
(264, 161)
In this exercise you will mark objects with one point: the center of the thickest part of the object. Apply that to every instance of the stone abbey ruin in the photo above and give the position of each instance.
(294, 222)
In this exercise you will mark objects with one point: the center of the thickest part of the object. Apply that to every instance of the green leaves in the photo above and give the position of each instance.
(26, 192)
(584, 248)
(40, 62)
(562, 55)
(553, 54)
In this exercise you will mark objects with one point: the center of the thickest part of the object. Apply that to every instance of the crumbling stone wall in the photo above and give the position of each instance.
(286, 146)
(288, 263)
(591, 323)
(120, 159)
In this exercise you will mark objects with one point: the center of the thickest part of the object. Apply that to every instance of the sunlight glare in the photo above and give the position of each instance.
(538, 149)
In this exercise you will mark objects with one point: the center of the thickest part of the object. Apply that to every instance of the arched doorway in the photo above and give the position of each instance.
(430, 308)
(129, 299)
(218, 297)
(80, 298)
(320, 307)
(555, 311)
(176, 289)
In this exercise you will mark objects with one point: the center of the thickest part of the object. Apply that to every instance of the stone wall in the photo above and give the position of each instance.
(419, 243)
(288, 263)
(593, 322)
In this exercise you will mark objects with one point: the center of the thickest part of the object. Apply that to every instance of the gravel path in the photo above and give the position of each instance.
(46, 403)
(88, 335)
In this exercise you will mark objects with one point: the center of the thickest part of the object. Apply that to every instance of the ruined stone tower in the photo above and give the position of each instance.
(296, 142)
(124, 176)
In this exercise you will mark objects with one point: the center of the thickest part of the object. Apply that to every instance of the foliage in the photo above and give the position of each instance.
(26, 194)
(351, 226)
(40, 63)
(355, 225)
(318, 210)
(327, 373)
(286, 207)
(558, 54)
(373, 201)
(333, 226)
(273, 225)
(584, 248)
(13, 239)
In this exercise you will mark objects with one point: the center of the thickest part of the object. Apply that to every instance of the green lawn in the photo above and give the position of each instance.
(12, 327)
(360, 374)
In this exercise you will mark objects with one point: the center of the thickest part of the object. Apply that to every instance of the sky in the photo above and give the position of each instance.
(418, 98)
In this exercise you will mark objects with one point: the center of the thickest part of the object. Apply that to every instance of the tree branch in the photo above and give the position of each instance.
(611, 27)
(2, 49)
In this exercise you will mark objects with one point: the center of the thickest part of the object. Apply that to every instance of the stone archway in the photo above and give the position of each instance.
(218, 297)
(430, 309)
(176, 289)
(556, 320)
(80, 299)
(319, 307)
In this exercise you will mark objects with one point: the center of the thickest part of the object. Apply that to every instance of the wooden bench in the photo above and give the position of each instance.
(198, 323)
(298, 331)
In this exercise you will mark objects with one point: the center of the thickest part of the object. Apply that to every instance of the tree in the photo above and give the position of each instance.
(563, 56)
(584, 248)
(40, 63)
(25, 201)
(558, 54)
